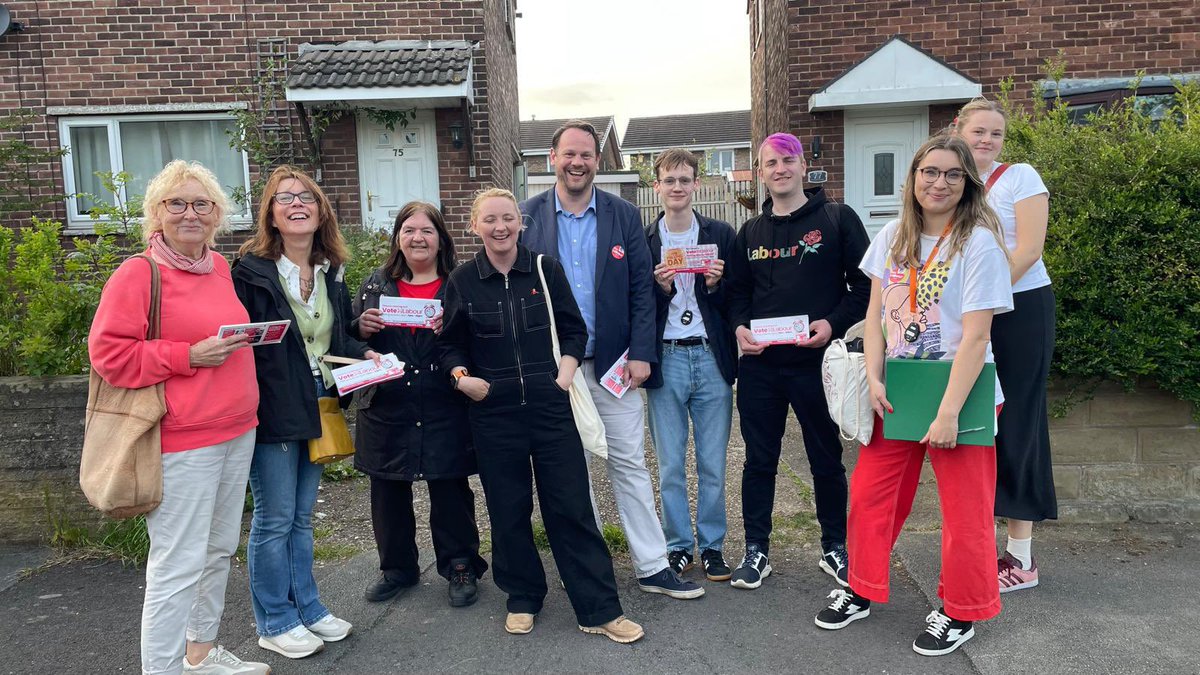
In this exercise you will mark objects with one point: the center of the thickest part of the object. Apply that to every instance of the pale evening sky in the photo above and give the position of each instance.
(632, 58)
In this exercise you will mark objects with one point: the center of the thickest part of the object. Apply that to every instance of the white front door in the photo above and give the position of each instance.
(879, 148)
(396, 166)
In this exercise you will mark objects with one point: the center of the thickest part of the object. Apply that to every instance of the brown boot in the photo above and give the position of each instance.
(619, 629)
(518, 624)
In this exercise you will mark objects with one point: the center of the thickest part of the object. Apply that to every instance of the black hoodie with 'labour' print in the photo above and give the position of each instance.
(805, 262)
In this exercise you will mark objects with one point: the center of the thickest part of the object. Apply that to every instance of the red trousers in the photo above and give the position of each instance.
(881, 495)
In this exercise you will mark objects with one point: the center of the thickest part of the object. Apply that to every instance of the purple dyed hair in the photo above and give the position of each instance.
(784, 144)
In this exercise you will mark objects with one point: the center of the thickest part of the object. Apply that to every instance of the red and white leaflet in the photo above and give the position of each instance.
(365, 373)
(783, 330)
(264, 333)
(408, 312)
(693, 259)
(613, 379)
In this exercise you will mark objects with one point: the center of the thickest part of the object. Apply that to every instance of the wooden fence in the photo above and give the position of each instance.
(713, 200)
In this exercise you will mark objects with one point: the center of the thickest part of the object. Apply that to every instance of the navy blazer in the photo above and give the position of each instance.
(625, 307)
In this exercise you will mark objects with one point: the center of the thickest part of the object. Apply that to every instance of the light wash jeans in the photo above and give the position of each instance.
(692, 385)
(625, 431)
(282, 588)
(193, 533)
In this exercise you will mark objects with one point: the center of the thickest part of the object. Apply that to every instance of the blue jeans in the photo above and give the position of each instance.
(693, 384)
(282, 588)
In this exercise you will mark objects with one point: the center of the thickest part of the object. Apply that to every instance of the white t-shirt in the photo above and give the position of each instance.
(1018, 182)
(978, 278)
(684, 299)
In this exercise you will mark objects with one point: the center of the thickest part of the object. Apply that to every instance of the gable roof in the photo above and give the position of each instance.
(697, 130)
(895, 73)
(389, 70)
(537, 134)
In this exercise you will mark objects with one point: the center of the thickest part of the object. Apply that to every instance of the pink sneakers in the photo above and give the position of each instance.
(1012, 577)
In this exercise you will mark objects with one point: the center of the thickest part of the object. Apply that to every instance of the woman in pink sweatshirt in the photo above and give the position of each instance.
(208, 430)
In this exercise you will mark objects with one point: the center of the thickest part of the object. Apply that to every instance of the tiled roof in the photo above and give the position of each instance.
(697, 130)
(536, 134)
(392, 63)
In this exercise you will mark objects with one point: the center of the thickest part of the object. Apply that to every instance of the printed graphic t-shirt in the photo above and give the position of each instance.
(976, 279)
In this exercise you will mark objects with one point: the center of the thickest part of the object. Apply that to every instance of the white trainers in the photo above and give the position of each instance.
(297, 643)
(331, 628)
(221, 662)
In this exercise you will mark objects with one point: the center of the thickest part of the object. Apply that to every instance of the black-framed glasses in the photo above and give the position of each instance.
(931, 174)
(202, 207)
(286, 198)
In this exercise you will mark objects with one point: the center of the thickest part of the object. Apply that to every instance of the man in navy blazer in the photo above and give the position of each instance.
(600, 242)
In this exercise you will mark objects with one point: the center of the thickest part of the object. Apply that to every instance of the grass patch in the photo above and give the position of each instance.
(614, 538)
(341, 470)
(328, 552)
(805, 490)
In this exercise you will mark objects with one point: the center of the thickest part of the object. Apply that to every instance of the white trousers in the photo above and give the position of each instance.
(624, 427)
(193, 534)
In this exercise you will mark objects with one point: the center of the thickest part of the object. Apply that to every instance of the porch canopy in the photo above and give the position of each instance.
(896, 73)
(387, 74)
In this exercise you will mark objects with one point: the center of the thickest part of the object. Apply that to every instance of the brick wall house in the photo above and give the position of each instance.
(129, 85)
(872, 79)
(720, 140)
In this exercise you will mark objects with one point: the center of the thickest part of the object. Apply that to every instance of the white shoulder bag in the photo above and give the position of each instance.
(587, 418)
(844, 375)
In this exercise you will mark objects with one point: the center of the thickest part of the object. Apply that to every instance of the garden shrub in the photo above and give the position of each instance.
(1123, 244)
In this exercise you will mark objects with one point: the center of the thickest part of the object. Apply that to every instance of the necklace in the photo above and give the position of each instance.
(306, 287)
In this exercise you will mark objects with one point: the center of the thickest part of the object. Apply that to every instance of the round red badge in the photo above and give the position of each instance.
(618, 252)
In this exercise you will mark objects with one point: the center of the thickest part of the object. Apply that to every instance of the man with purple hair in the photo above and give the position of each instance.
(799, 256)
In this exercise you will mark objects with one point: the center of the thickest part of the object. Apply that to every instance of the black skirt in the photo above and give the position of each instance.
(1023, 344)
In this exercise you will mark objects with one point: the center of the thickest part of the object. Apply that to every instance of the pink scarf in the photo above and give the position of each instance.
(165, 255)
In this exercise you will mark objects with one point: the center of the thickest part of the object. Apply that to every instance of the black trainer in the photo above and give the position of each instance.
(753, 569)
(715, 567)
(845, 609)
(836, 563)
(668, 583)
(942, 634)
(679, 560)
(387, 587)
(463, 587)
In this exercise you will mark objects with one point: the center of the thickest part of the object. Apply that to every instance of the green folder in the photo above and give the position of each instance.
(915, 388)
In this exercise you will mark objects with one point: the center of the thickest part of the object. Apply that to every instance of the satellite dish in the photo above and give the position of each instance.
(7, 25)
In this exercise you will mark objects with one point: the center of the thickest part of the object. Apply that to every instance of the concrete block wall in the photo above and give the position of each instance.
(1127, 455)
(41, 434)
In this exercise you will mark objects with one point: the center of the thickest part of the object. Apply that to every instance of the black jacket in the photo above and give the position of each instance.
(498, 326)
(287, 401)
(713, 304)
(414, 428)
(803, 263)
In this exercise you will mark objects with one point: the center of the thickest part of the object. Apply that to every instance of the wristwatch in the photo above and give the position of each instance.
(458, 374)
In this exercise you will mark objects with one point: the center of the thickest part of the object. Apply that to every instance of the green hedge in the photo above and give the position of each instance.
(1123, 245)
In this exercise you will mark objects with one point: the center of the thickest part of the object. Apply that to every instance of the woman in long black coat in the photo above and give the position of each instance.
(416, 428)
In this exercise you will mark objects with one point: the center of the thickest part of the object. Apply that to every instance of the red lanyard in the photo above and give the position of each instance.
(912, 277)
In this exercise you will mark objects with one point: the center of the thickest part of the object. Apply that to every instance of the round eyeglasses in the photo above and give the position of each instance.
(202, 207)
(953, 176)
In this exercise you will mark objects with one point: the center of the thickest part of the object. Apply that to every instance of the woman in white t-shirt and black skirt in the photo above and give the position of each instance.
(1023, 341)
(938, 274)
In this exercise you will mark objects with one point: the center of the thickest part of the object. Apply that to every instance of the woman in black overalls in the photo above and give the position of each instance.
(497, 349)
(415, 428)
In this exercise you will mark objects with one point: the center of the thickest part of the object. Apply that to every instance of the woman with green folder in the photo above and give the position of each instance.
(938, 274)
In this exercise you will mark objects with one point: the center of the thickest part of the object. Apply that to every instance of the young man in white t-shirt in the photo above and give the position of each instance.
(697, 363)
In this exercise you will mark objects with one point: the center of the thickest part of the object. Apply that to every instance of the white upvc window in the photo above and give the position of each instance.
(142, 145)
(718, 162)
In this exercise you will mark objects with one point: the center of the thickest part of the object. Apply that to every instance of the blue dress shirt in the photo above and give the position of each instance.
(577, 253)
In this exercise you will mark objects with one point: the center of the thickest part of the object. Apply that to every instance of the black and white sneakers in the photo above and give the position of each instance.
(679, 560)
(942, 634)
(835, 563)
(752, 570)
(845, 609)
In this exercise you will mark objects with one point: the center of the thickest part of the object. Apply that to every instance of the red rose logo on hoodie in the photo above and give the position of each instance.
(813, 238)
(812, 242)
